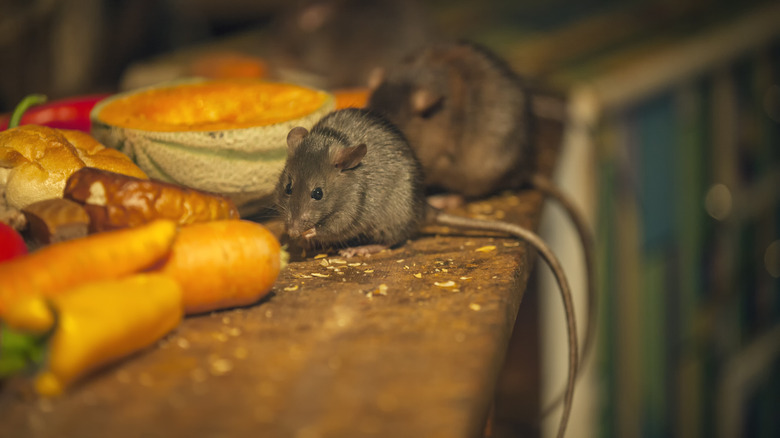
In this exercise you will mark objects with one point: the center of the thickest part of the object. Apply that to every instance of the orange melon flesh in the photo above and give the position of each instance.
(212, 106)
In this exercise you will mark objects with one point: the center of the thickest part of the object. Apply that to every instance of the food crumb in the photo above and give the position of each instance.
(225, 320)
(486, 248)
(220, 367)
(235, 331)
(368, 271)
(291, 288)
(418, 275)
(380, 290)
(324, 262)
(320, 256)
(449, 283)
(474, 306)
(317, 274)
(183, 343)
(465, 278)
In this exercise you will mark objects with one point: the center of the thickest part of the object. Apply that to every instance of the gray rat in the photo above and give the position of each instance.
(354, 180)
(471, 122)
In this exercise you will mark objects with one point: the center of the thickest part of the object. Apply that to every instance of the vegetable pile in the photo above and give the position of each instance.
(78, 304)
(107, 295)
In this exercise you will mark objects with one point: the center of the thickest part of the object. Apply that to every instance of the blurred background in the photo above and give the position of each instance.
(672, 150)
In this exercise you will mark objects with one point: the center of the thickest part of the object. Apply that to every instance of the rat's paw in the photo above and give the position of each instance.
(365, 250)
(446, 201)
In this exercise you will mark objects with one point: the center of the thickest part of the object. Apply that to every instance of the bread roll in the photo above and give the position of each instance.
(35, 162)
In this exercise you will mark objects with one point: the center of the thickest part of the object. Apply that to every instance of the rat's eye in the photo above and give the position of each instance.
(316, 193)
(288, 188)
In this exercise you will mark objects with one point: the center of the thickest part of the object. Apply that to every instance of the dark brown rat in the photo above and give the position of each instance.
(336, 43)
(354, 180)
(466, 115)
(471, 122)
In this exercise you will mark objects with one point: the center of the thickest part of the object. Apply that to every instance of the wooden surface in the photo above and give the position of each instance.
(360, 347)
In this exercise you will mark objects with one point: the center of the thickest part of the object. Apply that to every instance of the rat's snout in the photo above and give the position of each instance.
(301, 227)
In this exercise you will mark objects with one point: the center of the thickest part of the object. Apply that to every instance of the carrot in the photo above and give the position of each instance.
(101, 256)
(224, 263)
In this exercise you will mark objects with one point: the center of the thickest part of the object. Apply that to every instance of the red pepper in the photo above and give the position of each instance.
(11, 243)
(72, 113)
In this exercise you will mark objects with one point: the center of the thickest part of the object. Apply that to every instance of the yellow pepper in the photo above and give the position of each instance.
(96, 324)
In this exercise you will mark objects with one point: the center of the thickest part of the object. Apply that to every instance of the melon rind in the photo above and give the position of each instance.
(242, 164)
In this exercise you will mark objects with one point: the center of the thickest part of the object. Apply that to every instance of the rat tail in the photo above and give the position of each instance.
(441, 218)
(550, 190)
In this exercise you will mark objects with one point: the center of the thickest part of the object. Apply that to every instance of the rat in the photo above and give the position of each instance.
(471, 121)
(336, 43)
(354, 181)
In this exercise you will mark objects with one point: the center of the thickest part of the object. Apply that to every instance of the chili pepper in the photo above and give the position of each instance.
(11, 243)
(71, 113)
(90, 326)
(27, 102)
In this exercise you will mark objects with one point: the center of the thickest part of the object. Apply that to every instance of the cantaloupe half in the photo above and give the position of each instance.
(222, 136)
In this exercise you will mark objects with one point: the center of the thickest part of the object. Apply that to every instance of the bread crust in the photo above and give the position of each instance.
(37, 161)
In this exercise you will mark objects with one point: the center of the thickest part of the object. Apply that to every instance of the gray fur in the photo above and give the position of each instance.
(380, 201)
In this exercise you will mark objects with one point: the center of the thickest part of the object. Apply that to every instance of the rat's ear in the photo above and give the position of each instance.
(425, 102)
(295, 137)
(375, 78)
(350, 157)
(314, 16)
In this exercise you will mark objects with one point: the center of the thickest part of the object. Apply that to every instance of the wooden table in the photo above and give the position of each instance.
(363, 347)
